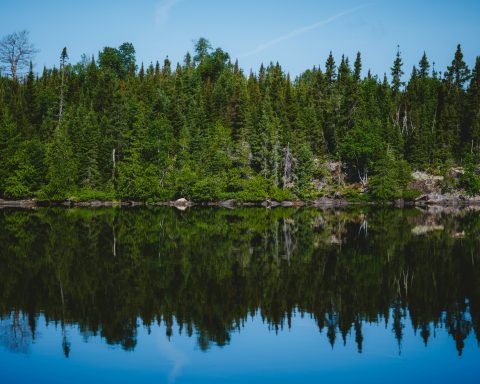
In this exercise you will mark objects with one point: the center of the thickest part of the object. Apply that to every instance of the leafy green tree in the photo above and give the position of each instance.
(119, 60)
(361, 148)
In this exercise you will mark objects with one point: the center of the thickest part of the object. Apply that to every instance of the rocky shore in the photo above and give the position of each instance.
(431, 189)
(431, 199)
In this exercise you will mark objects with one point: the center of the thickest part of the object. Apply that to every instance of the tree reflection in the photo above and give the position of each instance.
(206, 270)
(16, 333)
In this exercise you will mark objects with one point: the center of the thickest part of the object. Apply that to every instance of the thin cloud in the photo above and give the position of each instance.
(302, 30)
(162, 11)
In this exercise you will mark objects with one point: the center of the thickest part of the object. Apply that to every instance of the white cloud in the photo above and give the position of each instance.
(300, 31)
(162, 10)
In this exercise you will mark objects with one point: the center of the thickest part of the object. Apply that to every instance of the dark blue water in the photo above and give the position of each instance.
(254, 295)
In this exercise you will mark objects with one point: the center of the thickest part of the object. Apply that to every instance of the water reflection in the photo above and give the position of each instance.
(203, 272)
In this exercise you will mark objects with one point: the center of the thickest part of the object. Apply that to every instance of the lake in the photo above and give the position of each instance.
(212, 295)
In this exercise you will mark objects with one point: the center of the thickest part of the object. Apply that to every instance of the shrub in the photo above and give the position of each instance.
(470, 180)
(207, 189)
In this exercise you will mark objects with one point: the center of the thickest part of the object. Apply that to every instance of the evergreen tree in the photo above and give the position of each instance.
(61, 167)
(397, 73)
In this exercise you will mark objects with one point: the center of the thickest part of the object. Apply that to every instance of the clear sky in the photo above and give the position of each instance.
(297, 33)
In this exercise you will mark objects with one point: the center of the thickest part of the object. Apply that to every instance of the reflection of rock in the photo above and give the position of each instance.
(329, 202)
(270, 203)
(228, 203)
(424, 229)
(448, 209)
(455, 198)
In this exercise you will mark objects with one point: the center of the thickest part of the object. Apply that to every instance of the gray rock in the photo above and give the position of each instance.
(182, 202)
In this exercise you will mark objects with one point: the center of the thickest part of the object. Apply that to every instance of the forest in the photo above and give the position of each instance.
(111, 128)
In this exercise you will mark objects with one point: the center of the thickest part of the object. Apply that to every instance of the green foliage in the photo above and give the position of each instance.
(355, 195)
(255, 189)
(303, 169)
(90, 194)
(25, 176)
(209, 188)
(391, 178)
(119, 60)
(205, 130)
(361, 147)
(61, 167)
(470, 180)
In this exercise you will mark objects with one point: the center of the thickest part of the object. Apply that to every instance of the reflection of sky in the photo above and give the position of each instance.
(301, 354)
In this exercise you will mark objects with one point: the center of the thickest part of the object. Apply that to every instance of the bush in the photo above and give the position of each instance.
(87, 194)
(391, 178)
(255, 189)
(355, 195)
(470, 180)
(207, 189)
(410, 194)
(258, 189)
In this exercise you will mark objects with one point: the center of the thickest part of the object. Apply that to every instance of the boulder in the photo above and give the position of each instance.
(182, 202)
(426, 183)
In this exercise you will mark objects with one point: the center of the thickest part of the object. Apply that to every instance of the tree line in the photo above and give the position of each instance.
(111, 128)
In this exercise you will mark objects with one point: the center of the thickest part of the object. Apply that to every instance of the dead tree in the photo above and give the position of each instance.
(16, 52)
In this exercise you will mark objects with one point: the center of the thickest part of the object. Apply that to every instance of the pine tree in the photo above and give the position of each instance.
(424, 66)
(61, 166)
(357, 68)
(473, 109)
(397, 73)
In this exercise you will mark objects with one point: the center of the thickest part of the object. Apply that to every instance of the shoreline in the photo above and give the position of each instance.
(457, 201)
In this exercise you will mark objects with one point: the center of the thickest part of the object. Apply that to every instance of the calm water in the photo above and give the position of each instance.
(246, 295)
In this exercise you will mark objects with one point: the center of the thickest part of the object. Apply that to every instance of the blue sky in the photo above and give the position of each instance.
(297, 33)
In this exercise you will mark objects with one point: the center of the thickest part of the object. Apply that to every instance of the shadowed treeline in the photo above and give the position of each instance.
(206, 270)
